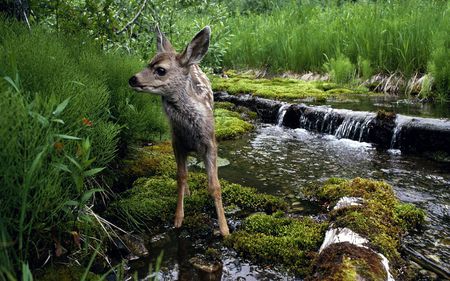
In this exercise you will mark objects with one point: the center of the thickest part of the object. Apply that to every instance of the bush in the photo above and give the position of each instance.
(65, 107)
(439, 65)
(341, 69)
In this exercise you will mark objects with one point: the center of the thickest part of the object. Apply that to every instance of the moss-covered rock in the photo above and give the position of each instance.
(65, 273)
(152, 201)
(281, 88)
(229, 124)
(382, 218)
(347, 262)
(272, 239)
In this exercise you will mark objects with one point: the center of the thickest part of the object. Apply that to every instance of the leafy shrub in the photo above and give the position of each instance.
(108, 23)
(65, 105)
(341, 69)
(439, 65)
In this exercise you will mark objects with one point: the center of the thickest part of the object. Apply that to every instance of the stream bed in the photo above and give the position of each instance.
(282, 161)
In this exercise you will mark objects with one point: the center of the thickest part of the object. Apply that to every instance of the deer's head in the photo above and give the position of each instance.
(168, 71)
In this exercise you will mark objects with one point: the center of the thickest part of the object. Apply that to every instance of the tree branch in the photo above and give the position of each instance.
(144, 3)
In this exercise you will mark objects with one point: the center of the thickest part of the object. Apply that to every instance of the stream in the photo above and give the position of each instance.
(281, 161)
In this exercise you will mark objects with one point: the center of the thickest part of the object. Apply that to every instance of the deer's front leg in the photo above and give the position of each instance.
(181, 185)
(214, 188)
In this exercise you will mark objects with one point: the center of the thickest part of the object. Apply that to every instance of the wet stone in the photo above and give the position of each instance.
(135, 245)
(296, 204)
(207, 270)
(159, 240)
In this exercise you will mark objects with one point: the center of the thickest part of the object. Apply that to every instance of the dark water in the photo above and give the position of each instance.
(391, 103)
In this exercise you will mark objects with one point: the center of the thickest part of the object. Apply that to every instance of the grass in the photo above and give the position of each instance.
(378, 36)
(66, 111)
(282, 88)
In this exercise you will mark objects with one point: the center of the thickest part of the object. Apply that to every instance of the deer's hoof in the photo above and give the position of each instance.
(178, 221)
(224, 231)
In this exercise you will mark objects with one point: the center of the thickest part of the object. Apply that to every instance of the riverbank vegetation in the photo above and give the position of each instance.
(67, 113)
(350, 40)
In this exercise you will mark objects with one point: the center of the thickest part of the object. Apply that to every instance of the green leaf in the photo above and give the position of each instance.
(91, 172)
(88, 194)
(62, 167)
(60, 121)
(26, 273)
(67, 137)
(36, 163)
(41, 119)
(77, 83)
(12, 83)
(71, 203)
(61, 107)
(75, 162)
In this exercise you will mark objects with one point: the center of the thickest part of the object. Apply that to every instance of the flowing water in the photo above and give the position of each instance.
(389, 103)
(282, 161)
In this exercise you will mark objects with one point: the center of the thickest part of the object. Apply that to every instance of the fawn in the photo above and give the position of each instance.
(187, 99)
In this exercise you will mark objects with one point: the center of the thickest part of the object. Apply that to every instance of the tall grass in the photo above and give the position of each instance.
(65, 107)
(393, 36)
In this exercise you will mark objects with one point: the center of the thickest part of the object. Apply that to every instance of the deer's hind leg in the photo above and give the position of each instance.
(182, 187)
(214, 189)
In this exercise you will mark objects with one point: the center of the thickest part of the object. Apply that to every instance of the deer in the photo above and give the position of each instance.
(187, 99)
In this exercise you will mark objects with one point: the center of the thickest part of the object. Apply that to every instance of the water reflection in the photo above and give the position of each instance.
(281, 161)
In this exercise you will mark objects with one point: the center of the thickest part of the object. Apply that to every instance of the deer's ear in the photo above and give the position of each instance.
(197, 49)
(162, 43)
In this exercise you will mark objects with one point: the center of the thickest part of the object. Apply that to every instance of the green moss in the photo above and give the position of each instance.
(65, 273)
(152, 201)
(224, 105)
(386, 115)
(282, 241)
(409, 216)
(229, 124)
(347, 262)
(155, 160)
(248, 199)
(382, 218)
(280, 88)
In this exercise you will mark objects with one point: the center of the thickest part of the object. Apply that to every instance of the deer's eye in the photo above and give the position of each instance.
(160, 71)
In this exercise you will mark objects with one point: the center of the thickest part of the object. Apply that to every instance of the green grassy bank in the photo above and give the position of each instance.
(348, 39)
(66, 114)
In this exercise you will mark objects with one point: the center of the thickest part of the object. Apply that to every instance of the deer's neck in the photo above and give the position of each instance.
(194, 95)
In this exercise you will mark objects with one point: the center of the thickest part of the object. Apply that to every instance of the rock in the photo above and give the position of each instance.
(346, 202)
(207, 270)
(135, 245)
(159, 240)
(385, 129)
(266, 109)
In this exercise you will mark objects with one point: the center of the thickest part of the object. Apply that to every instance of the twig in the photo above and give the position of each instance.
(144, 3)
(426, 262)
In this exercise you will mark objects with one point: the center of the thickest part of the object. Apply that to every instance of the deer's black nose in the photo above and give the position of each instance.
(133, 81)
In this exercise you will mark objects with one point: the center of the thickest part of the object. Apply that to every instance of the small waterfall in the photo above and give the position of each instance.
(342, 123)
(355, 125)
(400, 122)
(281, 113)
